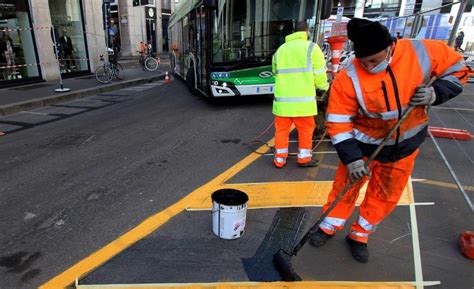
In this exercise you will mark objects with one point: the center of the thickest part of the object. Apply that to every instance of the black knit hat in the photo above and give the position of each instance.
(369, 37)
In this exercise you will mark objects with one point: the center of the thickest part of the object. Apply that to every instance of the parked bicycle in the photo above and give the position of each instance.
(109, 69)
(147, 61)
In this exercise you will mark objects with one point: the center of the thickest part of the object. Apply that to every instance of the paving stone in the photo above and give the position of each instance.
(115, 98)
(85, 103)
(60, 110)
(6, 128)
(29, 118)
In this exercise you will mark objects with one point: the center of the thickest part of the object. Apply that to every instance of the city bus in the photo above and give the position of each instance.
(224, 48)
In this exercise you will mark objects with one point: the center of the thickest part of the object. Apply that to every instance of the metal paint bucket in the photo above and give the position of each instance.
(229, 211)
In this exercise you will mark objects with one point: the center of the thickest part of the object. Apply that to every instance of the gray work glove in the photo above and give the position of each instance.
(424, 95)
(357, 170)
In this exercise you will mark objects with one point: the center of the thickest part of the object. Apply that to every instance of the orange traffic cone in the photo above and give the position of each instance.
(159, 60)
(167, 78)
(336, 43)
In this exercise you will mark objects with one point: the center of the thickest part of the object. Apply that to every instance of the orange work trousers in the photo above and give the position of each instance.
(386, 185)
(305, 127)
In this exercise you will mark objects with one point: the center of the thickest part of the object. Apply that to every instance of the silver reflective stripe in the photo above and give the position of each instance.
(338, 222)
(393, 114)
(362, 137)
(333, 117)
(340, 137)
(310, 51)
(280, 160)
(453, 79)
(366, 225)
(352, 73)
(308, 67)
(412, 132)
(293, 70)
(319, 71)
(304, 153)
(281, 151)
(327, 226)
(295, 99)
(453, 68)
(359, 234)
(423, 58)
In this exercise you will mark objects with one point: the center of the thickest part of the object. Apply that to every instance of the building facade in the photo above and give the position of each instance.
(147, 22)
(398, 15)
(43, 39)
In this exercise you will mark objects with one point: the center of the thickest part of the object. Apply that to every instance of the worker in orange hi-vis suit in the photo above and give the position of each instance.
(366, 100)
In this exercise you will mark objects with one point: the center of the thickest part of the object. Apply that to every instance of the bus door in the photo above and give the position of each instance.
(201, 26)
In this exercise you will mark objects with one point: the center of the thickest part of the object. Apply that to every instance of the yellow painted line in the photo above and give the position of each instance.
(287, 194)
(148, 226)
(268, 285)
(201, 198)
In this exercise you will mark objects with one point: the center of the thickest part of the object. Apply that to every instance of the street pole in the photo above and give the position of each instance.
(462, 7)
(106, 24)
(62, 88)
(317, 13)
(142, 18)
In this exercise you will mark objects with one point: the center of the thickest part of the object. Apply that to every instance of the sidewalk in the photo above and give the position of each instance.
(15, 99)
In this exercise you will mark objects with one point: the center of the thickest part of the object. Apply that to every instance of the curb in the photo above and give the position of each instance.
(57, 98)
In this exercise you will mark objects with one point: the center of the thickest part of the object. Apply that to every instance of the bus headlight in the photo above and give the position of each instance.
(224, 84)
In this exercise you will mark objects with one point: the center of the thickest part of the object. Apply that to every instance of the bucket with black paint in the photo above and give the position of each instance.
(229, 211)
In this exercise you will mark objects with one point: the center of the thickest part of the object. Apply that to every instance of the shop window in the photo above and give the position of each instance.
(18, 59)
(66, 16)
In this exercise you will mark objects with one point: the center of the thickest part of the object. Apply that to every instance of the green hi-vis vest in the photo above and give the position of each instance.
(299, 68)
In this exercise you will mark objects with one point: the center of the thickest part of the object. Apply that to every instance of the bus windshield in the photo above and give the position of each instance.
(252, 30)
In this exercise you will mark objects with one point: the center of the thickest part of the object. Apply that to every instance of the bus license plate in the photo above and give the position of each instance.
(265, 89)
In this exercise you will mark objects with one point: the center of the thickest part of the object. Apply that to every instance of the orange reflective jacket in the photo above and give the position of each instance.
(363, 107)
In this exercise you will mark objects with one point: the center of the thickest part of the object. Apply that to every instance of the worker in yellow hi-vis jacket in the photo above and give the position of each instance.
(299, 68)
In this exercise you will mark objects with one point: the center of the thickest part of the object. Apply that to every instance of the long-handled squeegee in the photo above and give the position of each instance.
(282, 258)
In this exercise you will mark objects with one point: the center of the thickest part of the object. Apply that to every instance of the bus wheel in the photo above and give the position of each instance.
(191, 81)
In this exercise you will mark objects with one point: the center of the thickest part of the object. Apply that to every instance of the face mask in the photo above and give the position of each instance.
(382, 65)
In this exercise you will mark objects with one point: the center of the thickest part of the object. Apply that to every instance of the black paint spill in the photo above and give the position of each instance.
(284, 232)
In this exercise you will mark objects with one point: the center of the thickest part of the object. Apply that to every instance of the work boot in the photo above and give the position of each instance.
(359, 250)
(310, 164)
(319, 238)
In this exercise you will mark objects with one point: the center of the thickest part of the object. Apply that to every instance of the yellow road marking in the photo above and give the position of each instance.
(287, 194)
(148, 226)
(268, 285)
(279, 194)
